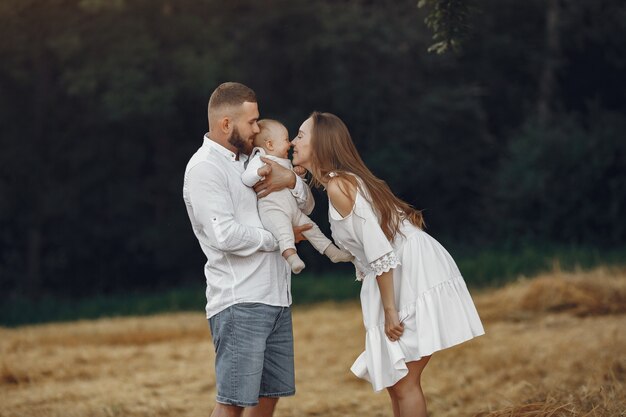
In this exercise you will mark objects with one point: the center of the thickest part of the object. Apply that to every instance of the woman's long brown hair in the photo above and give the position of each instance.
(334, 151)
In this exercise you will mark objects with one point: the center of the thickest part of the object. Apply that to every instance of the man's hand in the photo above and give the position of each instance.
(297, 232)
(276, 178)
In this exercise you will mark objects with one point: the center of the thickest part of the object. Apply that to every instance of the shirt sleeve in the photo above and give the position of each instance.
(378, 251)
(302, 192)
(214, 212)
(250, 176)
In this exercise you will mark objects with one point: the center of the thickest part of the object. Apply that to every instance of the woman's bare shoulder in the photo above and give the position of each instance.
(342, 191)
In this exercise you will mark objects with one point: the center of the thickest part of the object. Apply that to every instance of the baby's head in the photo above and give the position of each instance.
(273, 137)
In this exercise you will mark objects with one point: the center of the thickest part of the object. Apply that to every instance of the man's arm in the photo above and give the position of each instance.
(303, 196)
(277, 178)
(213, 209)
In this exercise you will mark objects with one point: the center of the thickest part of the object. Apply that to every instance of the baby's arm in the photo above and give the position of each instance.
(251, 176)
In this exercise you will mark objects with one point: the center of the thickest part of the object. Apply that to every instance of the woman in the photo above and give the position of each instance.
(413, 297)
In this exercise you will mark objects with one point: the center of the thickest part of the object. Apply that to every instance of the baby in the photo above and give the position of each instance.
(279, 210)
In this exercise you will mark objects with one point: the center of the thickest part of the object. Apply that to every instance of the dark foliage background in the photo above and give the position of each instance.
(517, 139)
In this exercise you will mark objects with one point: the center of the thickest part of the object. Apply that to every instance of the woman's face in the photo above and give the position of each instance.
(302, 145)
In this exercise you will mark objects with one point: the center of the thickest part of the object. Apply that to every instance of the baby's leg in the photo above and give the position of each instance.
(337, 255)
(279, 224)
(320, 241)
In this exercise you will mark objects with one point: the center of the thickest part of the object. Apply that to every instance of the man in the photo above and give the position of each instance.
(248, 282)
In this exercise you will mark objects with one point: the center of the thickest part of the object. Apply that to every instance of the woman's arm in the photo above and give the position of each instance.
(342, 195)
(393, 327)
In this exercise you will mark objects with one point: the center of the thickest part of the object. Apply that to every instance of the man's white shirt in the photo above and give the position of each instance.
(243, 260)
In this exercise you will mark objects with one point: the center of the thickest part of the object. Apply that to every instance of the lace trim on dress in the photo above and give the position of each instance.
(385, 263)
(380, 265)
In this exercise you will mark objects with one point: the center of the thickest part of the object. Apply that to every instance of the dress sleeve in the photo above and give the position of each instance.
(378, 251)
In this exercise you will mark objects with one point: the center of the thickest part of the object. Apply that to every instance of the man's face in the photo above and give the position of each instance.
(245, 128)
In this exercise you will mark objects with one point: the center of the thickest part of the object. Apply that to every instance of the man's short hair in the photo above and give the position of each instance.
(232, 95)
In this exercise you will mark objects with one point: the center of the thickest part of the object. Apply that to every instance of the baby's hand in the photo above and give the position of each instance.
(300, 171)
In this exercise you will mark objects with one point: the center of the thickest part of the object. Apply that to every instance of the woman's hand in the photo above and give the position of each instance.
(393, 327)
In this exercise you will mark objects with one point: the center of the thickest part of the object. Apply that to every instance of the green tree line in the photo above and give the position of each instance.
(515, 135)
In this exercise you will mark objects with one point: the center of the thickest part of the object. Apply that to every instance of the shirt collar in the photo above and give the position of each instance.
(222, 150)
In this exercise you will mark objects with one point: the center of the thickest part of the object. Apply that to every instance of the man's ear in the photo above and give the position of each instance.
(269, 144)
(226, 124)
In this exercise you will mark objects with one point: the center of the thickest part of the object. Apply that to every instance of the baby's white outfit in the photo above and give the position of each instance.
(279, 211)
(432, 299)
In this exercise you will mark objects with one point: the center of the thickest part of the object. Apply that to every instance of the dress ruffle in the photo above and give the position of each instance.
(441, 317)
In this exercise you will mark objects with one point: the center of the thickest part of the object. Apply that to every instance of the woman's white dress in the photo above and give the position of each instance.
(431, 296)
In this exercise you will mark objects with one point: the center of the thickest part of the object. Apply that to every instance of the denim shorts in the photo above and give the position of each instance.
(253, 353)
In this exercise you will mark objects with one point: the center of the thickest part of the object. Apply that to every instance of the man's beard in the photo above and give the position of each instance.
(242, 145)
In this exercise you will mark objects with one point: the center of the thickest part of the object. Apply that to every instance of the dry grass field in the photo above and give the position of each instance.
(555, 346)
